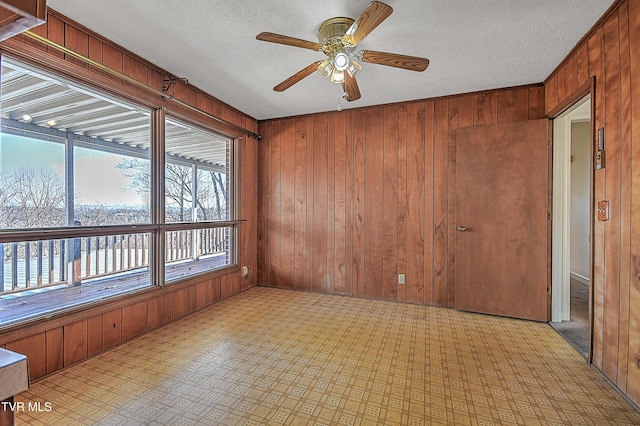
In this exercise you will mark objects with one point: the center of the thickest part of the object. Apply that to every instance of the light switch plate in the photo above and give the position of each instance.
(400, 278)
(600, 160)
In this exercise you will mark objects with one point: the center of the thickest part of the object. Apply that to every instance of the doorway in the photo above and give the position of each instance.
(571, 241)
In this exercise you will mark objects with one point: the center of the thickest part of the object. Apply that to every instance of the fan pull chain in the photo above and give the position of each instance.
(340, 97)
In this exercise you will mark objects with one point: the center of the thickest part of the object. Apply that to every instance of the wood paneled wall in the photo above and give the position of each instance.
(247, 184)
(611, 54)
(348, 200)
(65, 339)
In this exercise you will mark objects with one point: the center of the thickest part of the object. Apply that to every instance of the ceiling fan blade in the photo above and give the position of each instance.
(305, 72)
(368, 20)
(350, 87)
(412, 63)
(289, 41)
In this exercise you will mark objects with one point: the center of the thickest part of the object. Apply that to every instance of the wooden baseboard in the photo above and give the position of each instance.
(580, 278)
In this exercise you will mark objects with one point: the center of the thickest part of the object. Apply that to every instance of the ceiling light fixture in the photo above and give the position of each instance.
(338, 38)
(337, 76)
(51, 123)
(353, 68)
(341, 61)
(338, 52)
(27, 118)
(336, 66)
(326, 67)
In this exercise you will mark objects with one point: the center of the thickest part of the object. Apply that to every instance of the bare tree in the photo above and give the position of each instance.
(211, 199)
(178, 191)
(220, 192)
(35, 197)
(140, 172)
(7, 212)
(98, 214)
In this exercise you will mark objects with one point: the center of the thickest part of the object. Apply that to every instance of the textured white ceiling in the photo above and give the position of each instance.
(472, 45)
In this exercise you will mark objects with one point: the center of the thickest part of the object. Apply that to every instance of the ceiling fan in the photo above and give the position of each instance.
(338, 39)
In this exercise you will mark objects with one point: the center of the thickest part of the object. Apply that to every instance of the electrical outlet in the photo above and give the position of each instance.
(603, 210)
(245, 271)
(400, 278)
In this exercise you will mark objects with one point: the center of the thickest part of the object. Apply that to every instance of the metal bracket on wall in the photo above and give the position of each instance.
(168, 82)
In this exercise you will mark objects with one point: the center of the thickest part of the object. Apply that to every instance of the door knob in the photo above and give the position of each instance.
(461, 228)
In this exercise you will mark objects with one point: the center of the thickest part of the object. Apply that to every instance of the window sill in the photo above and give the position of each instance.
(48, 302)
(26, 309)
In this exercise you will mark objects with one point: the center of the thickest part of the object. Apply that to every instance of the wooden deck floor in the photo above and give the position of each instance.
(38, 301)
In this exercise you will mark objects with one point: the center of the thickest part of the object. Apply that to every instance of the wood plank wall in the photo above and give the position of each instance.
(611, 54)
(66, 339)
(348, 200)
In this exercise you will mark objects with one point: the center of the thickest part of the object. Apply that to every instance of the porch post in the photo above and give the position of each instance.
(74, 244)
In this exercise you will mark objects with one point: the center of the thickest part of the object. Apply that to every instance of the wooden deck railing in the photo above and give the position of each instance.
(38, 264)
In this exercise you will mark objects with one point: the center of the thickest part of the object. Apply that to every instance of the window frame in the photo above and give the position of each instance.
(231, 222)
(157, 226)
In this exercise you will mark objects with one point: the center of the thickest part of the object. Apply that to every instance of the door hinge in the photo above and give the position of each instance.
(549, 215)
(549, 289)
(549, 142)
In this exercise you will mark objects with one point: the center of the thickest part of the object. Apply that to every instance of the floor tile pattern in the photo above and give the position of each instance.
(280, 357)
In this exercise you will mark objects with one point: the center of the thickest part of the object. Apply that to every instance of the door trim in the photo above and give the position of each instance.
(559, 244)
(561, 221)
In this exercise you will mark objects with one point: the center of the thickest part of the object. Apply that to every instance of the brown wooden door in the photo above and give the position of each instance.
(501, 198)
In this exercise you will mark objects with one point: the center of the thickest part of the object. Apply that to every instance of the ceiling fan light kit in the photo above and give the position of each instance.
(339, 53)
(338, 39)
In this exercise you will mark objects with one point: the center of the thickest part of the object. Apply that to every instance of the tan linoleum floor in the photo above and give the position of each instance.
(275, 357)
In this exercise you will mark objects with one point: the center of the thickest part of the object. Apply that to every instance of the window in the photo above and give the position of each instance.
(32, 186)
(197, 200)
(64, 156)
(77, 221)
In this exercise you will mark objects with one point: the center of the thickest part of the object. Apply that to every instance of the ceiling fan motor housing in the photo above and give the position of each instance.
(331, 33)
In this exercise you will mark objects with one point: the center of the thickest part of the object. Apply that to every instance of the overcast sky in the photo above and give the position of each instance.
(97, 179)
